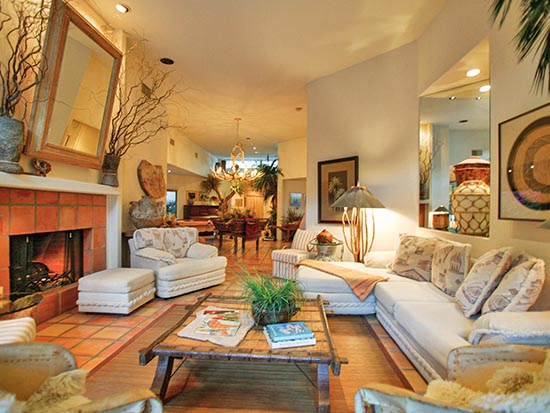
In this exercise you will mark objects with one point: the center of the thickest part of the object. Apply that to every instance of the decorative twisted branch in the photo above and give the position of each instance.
(141, 115)
(23, 25)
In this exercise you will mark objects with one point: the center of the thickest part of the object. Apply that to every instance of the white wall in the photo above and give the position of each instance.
(186, 154)
(292, 156)
(370, 110)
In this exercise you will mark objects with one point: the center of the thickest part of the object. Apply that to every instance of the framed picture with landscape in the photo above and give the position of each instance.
(334, 178)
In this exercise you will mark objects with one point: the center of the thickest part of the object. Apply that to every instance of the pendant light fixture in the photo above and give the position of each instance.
(237, 171)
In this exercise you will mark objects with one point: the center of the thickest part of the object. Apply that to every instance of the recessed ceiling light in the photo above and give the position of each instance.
(169, 171)
(166, 61)
(485, 88)
(473, 72)
(123, 8)
(463, 121)
(478, 97)
(452, 97)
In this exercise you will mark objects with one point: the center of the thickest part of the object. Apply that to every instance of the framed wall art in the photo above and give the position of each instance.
(296, 199)
(524, 170)
(334, 178)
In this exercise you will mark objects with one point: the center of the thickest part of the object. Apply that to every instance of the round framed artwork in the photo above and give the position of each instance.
(524, 173)
(528, 168)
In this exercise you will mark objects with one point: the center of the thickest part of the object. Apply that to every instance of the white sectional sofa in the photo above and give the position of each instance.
(424, 321)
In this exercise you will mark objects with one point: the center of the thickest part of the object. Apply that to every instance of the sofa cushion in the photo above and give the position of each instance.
(528, 327)
(450, 265)
(158, 255)
(178, 240)
(173, 240)
(413, 258)
(519, 289)
(291, 255)
(390, 293)
(436, 327)
(379, 259)
(198, 250)
(482, 279)
(302, 238)
(190, 267)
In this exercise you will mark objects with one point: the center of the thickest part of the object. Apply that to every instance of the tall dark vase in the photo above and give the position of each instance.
(109, 169)
(11, 144)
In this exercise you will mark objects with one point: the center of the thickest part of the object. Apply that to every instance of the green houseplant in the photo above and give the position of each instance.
(533, 35)
(273, 300)
(267, 185)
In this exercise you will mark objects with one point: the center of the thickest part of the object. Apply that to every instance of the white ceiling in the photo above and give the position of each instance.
(253, 58)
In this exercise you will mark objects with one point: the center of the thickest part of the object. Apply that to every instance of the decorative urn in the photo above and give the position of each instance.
(473, 169)
(470, 203)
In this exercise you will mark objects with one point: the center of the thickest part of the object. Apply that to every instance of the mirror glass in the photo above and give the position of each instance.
(74, 101)
(455, 130)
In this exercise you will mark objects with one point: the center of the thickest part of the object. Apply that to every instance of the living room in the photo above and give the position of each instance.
(369, 110)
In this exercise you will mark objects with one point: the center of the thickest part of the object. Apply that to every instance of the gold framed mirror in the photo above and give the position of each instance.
(73, 103)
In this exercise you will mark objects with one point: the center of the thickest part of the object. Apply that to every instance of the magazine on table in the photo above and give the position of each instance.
(218, 325)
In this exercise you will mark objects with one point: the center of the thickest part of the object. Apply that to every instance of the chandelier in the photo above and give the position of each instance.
(237, 171)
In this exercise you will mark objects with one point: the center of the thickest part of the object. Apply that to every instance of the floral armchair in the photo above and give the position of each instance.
(181, 263)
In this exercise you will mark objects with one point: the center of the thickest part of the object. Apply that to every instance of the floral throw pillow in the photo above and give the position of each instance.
(450, 265)
(519, 288)
(177, 241)
(482, 279)
(413, 258)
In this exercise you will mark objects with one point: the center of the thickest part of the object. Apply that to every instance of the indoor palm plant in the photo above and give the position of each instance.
(533, 36)
(22, 28)
(267, 185)
(273, 300)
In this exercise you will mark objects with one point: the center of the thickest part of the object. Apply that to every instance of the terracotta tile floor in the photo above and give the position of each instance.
(92, 338)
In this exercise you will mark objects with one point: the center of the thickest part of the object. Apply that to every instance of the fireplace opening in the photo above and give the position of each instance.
(41, 261)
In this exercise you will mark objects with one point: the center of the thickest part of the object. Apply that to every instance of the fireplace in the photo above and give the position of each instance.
(41, 261)
(39, 206)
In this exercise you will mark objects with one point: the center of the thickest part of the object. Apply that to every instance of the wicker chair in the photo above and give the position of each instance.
(25, 366)
(471, 366)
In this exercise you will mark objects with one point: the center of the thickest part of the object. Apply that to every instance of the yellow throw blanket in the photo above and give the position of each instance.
(360, 283)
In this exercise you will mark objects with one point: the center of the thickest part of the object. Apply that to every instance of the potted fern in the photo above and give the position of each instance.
(273, 300)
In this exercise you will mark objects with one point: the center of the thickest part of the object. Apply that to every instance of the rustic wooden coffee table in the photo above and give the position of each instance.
(254, 347)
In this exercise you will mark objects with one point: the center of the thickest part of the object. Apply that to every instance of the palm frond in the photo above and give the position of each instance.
(533, 35)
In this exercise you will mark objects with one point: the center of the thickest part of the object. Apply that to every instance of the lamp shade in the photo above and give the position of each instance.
(357, 197)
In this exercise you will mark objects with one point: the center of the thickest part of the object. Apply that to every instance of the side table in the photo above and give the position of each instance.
(328, 251)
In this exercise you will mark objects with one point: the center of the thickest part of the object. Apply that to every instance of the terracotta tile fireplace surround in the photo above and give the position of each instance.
(30, 204)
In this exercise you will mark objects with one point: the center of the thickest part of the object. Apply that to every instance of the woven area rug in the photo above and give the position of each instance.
(214, 386)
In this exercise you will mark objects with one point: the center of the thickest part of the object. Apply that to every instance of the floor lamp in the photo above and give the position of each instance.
(356, 202)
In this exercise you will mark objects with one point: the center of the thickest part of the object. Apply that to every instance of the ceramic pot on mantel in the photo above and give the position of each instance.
(109, 169)
(11, 144)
